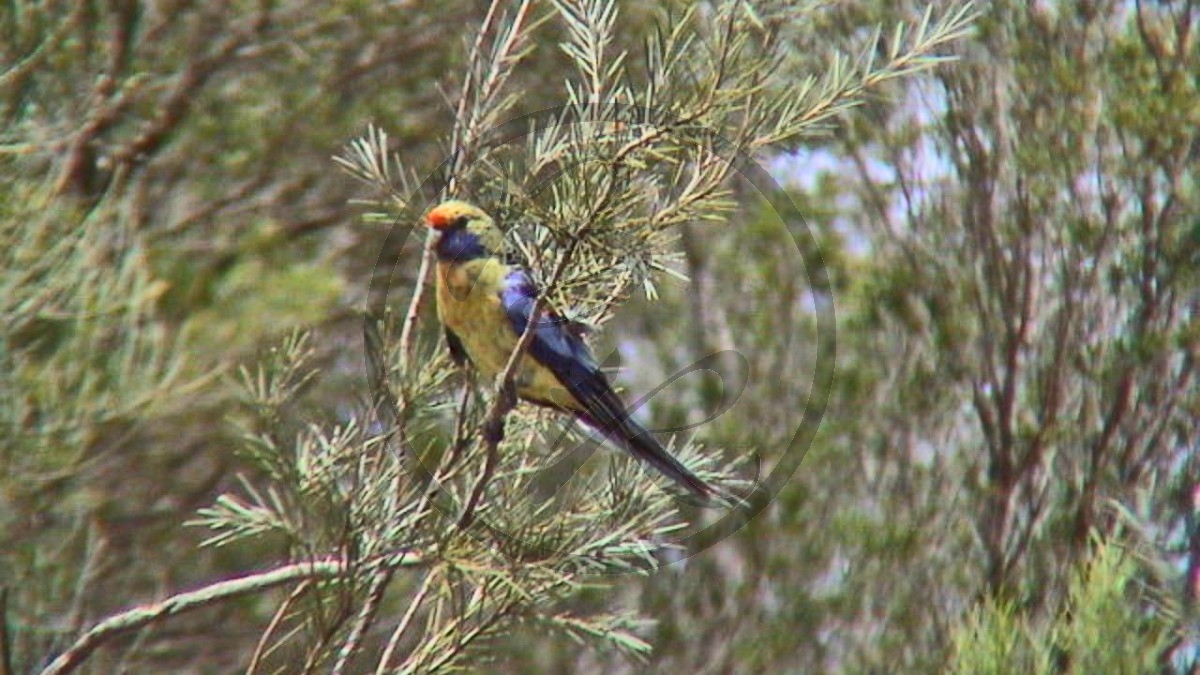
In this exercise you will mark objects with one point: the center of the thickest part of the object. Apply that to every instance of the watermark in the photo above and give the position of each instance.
(614, 129)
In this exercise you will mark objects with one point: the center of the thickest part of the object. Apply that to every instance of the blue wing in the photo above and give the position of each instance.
(557, 344)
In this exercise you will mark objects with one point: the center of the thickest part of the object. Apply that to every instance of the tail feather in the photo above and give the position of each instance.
(637, 440)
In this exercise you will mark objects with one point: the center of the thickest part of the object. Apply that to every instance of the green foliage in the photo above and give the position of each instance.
(1017, 312)
(1103, 627)
(1011, 246)
(993, 641)
(275, 294)
(83, 360)
(352, 493)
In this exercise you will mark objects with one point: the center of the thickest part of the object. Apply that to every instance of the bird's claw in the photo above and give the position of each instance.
(493, 432)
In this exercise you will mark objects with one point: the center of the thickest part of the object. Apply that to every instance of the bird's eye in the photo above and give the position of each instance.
(460, 221)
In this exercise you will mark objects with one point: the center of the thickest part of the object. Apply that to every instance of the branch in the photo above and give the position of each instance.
(481, 92)
(466, 126)
(506, 398)
(413, 606)
(260, 650)
(6, 666)
(178, 103)
(143, 615)
(366, 616)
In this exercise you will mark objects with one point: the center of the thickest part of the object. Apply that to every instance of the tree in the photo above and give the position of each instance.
(1098, 630)
(331, 500)
(1021, 331)
(930, 489)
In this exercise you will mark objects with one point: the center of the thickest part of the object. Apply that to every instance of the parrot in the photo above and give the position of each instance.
(485, 305)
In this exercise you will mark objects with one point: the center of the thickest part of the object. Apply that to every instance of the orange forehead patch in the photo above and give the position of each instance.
(443, 216)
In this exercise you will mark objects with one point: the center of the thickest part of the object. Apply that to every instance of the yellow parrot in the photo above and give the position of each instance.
(485, 306)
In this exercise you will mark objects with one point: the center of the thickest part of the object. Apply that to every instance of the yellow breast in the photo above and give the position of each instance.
(468, 302)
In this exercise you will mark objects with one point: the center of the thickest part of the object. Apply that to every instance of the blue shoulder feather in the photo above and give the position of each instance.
(555, 344)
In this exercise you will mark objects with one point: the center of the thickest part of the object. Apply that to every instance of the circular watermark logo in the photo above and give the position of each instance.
(557, 369)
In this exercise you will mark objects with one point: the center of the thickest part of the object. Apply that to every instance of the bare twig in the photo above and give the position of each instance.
(6, 665)
(414, 303)
(506, 399)
(366, 616)
(181, 603)
(260, 650)
(413, 606)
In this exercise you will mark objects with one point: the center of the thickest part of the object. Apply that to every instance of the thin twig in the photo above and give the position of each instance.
(499, 70)
(260, 649)
(6, 661)
(414, 304)
(95, 549)
(418, 599)
(506, 398)
(485, 477)
(366, 616)
(463, 122)
(444, 470)
(461, 436)
(181, 603)
(465, 127)
(446, 635)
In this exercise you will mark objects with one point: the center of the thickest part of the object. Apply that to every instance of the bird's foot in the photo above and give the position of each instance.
(506, 394)
(493, 431)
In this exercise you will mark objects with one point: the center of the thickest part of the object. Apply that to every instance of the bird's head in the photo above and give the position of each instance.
(466, 231)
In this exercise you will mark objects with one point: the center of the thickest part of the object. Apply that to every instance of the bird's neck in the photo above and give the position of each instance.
(461, 245)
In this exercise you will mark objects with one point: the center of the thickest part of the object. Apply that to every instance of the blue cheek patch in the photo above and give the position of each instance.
(459, 245)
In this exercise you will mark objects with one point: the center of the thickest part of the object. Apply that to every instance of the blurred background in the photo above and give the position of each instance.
(1006, 477)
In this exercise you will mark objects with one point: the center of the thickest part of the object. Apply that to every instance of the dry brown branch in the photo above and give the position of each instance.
(143, 615)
